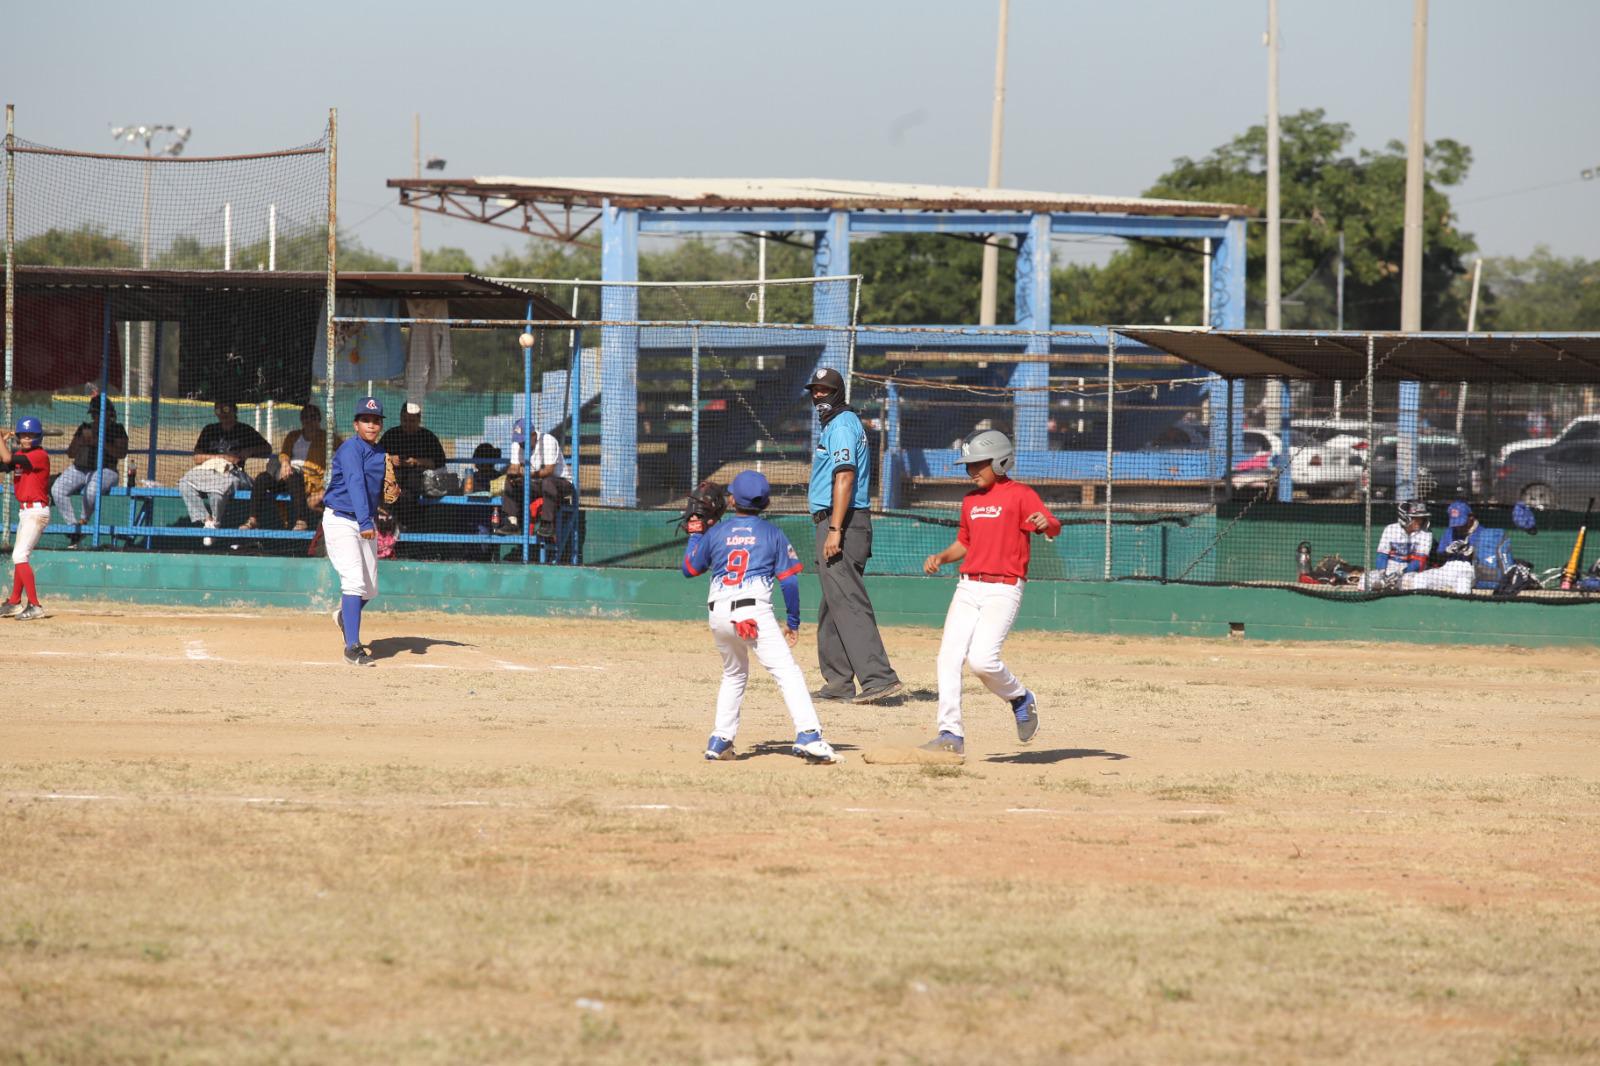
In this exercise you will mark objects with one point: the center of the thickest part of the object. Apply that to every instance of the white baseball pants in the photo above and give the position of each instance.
(30, 527)
(773, 653)
(354, 557)
(1454, 576)
(979, 618)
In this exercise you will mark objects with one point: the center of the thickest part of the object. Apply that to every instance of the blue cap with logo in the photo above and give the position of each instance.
(750, 491)
(368, 406)
(1523, 518)
(519, 435)
(29, 426)
(1460, 514)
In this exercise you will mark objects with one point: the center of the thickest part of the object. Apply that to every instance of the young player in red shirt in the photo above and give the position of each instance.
(30, 479)
(992, 547)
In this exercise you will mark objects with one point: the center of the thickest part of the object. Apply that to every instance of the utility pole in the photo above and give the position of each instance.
(997, 122)
(1411, 255)
(1274, 208)
(416, 172)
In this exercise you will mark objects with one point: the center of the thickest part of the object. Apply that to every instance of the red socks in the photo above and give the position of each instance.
(22, 582)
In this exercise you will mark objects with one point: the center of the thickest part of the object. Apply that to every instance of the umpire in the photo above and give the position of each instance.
(849, 648)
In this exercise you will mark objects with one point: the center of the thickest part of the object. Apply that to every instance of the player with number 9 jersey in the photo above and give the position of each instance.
(745, 556)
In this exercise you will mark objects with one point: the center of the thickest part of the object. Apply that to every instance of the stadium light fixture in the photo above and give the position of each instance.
(435, 163)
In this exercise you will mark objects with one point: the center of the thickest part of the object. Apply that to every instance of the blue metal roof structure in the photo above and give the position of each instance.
(833, 212)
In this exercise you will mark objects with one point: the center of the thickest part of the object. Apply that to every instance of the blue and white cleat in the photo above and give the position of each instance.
(718, 750)
(947, 742)
(1026, 708)
(813, 749)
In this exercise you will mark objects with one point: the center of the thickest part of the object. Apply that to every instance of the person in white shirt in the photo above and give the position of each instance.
(547, 480)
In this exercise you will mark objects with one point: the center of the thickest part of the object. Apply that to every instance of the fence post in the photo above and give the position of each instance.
(155, 401)
(619, 357)
(694, 406)
(1367, 525)
(100, 444)
(331, 295)
(889, 461)
(530, 444)
(11, 237)
(1111, 415)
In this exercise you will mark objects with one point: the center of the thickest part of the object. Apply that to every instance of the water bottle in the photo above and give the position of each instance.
(1303, 553)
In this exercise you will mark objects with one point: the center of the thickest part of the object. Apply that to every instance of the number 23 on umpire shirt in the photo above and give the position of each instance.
(841, 445)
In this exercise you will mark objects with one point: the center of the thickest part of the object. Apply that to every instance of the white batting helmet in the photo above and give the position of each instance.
(992, 445)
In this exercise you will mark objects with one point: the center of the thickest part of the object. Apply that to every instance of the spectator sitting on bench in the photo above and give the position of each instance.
(484, 479)
(80, 472)
(414, 449)
(549, 480)
(298, 470)
(219, 455)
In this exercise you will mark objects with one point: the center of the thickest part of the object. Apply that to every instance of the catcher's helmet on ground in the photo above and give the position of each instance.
(1414, 509)
(992, 445)
(29, 427)
(750, 491)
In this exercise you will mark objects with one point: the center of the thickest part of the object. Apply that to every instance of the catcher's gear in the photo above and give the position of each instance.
(1333, 570)
(1523, 518)
(746, 629)
(1518, 578)
(992, 445)
(440, 482)
(1459, 549)
(750, 491)
(1413, 509)
(705, 505)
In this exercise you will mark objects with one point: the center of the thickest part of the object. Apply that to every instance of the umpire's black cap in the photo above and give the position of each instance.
(826, 377)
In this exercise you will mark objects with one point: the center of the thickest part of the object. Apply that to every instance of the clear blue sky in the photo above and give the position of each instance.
(1102, 96)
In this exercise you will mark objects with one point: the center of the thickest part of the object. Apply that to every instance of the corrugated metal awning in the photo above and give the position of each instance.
(1478, 358)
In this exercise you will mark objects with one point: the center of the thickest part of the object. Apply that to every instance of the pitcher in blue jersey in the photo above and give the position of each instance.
(745, 556)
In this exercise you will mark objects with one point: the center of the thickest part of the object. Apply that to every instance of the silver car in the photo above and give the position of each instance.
(1560, 476)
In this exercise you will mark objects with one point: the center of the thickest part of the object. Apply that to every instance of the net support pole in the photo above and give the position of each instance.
(531, 440)
(330, 367)
(574, 433)
(11, 238)
(100, 442)
(1111, 417)
(1367, 508)
(1227, 464)
(694, 406)
(889, 451)
(155, 400)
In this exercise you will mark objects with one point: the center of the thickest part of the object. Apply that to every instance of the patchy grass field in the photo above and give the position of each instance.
(501, 845)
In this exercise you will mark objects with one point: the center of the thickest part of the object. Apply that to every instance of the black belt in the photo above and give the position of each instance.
(819, 517)
(734, 606)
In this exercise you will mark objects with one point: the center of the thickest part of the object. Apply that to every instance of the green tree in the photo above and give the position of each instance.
(85, 246)
(1325, 189)
(926, 278)
(1543, 291)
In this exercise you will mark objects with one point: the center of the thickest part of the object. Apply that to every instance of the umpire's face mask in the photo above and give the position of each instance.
(824, 400)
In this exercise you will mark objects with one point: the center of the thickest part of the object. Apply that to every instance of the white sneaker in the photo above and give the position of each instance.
(210, 523)
(812, 748)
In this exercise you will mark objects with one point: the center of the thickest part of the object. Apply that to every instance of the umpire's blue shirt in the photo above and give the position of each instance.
(842, 445)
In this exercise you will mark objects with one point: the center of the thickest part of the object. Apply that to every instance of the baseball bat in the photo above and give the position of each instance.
(1569, 576)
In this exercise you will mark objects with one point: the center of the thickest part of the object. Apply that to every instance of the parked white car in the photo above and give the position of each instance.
(1327, 456)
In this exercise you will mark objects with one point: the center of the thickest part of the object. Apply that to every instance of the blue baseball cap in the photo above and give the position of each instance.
(751, 491)
(29, 426)
(368, 405)
(519, 435)
(1460, 514)
(1523, 517)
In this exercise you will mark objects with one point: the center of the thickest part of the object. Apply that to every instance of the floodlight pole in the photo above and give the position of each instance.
(11, 236)
(997, 121)
(1411, 254)
(1274, 206)
(330, 294)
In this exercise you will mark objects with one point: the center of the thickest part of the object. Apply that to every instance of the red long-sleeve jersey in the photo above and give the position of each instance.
(995, 530)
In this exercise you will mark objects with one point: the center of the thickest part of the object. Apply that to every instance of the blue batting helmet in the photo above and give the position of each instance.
(29, 426)
(751, 491)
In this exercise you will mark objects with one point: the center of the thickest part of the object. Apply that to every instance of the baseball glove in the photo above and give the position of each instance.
(391, 480)
(1459, 549)
(705, 505)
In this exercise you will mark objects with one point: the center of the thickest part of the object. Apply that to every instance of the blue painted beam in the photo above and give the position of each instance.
(1406, 452)
(1185, 466)
(832, 304)
(619, 359)
(1031, 420)
(1086, 224)
(679, 222)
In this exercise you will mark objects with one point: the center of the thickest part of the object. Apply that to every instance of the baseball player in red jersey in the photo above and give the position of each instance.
(30, 479)
(992, 547)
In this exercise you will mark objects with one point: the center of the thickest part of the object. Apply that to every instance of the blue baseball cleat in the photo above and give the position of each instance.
(812, 748)
(718, 750)
(1026, 708)
(947, 742)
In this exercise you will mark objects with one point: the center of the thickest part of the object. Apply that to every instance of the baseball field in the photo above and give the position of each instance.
(218, 845)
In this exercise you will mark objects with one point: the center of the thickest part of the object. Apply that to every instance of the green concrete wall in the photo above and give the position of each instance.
(1124, 608)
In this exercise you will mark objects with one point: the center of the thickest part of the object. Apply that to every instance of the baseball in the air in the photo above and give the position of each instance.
(526, 340)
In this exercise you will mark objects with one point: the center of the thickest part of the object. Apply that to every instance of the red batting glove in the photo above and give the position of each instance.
(746, 629)
(695, 524)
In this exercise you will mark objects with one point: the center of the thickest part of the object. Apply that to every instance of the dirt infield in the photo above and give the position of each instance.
(219, 844)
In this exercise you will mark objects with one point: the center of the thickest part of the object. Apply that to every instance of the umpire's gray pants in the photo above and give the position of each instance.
(848, 645)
